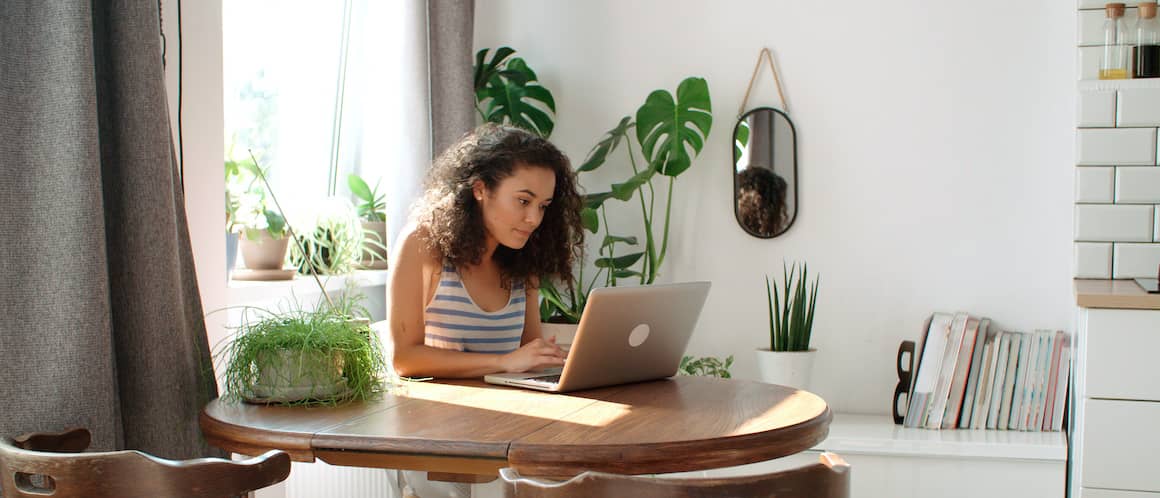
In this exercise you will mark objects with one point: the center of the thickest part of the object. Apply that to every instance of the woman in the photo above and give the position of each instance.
(501, 210)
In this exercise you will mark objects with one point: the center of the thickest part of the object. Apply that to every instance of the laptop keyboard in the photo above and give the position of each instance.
(546, 379)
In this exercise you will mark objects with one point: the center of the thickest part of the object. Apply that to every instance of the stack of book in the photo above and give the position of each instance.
(971, 375)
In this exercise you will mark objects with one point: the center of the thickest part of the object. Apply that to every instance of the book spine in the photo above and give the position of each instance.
(999, 380)
(958, 388)
(1017, 342)
(938, 400)
(983, 405)
(1024, 358)
(1053, 378)
(1061, 386)
(984, 378)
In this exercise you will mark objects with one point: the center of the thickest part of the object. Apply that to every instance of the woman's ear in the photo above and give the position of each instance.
(478, 189)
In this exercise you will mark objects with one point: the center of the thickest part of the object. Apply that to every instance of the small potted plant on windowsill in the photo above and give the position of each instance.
(789, 359)
(263, 238)
(371, 207)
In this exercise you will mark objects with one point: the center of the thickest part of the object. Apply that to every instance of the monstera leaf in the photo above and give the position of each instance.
(666, 128)
(600, 152)
(512, 94)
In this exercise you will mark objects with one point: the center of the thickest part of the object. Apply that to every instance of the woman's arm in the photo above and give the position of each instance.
(410, 287)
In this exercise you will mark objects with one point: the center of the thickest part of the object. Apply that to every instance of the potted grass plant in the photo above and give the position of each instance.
(789, 359)
(320, 356)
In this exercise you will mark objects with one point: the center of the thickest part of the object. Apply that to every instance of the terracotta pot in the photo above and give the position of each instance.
(265, 253)
(379, 231)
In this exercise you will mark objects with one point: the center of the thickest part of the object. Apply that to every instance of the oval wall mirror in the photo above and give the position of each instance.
(765, 172)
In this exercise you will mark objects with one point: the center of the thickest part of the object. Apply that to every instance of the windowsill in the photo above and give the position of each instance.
(245, 292)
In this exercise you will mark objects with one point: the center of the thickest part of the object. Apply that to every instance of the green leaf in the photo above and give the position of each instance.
(514, 97)
(484, 72)
(619, 262)
(624, 191)
(359, 188)
(594, 201)
(666, 128)
(625, 273)
(740, 139)
(613, 239)
(607, 145)
(276, 224)
(590, 219)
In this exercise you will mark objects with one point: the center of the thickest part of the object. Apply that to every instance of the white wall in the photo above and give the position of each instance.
(935, 146)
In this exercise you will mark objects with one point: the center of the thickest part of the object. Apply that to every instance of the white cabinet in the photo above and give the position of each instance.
(1116, 405)
(890, 461)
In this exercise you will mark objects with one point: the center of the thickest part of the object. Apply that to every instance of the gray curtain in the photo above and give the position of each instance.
(436, 88)
(450, 26)
(100, 320)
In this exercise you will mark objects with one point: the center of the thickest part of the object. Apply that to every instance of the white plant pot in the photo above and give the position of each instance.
(292, 375)
(786, 368)
(563, 332)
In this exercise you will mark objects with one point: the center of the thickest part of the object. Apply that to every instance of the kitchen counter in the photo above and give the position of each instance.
(1119, 294)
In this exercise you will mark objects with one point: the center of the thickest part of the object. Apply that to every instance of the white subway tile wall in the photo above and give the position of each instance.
(1095, 184)
(1138, 107)
(1116, 146)
(1096, 109)
(1135, 260)
(1092, 4)
(1114, 223)
(1093, 260)
(1117, 180)
(1137, 185)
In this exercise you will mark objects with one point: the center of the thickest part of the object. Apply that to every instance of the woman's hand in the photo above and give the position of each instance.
(534, 355)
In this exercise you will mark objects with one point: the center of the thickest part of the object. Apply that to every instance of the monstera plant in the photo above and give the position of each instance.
(508, 92)
(669, 133)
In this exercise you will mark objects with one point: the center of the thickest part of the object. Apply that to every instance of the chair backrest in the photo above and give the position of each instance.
(829, 478)
(40, 465)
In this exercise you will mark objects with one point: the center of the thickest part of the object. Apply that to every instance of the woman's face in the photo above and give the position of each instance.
(515, 208)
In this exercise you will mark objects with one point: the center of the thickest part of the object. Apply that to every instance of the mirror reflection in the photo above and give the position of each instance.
(765, 172)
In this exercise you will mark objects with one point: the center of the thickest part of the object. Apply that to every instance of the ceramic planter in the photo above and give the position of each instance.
(379, 229)
(563, 332)
(292, 375)
(264, 253)
(787, 368)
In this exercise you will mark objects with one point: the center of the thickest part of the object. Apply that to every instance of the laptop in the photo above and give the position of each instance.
(626, 334)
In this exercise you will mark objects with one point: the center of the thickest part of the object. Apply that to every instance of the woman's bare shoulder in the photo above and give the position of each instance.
(413, 246)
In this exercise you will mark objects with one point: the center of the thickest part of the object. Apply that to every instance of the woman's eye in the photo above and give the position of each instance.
(543, 207)
(524, 202)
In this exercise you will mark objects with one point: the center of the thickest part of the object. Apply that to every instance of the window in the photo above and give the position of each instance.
(303, 86)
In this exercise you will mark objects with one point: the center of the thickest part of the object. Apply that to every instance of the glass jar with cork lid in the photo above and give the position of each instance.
(1146, 46)
(1114, 60)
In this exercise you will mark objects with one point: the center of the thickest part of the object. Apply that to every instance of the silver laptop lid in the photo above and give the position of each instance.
(631, 334)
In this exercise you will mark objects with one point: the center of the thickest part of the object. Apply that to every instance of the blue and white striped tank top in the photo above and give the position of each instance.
(454, 321)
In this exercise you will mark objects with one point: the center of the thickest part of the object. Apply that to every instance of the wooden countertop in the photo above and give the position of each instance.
(1120, 294)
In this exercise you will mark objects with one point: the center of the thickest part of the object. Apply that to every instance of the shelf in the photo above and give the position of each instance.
(878, 435)
(1111, 85)
(245, 292)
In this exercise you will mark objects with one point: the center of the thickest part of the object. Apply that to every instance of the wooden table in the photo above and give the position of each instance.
(473, 428)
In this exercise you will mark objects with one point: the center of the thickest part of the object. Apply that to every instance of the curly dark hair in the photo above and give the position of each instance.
(761, 201)
(451, 220)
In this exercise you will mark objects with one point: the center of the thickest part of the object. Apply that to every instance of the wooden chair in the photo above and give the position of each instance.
(52, 465)
(829, 478)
